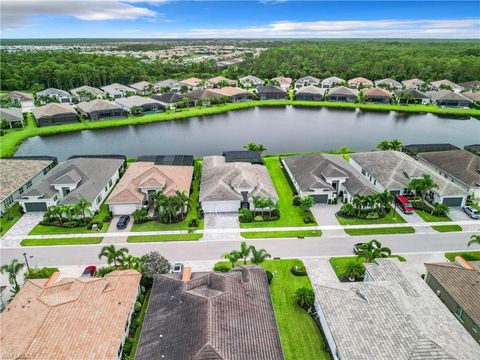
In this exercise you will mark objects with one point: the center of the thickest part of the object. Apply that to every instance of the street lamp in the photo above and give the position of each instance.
(26, 260)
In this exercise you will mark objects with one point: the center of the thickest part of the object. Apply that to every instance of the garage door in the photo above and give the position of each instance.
(123, 209)
(320, 199)
(454, 201)
(35, 206)
(220, 206)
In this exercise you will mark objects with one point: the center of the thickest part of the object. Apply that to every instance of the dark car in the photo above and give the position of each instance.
(89, 271)
(177, 268)
(356, 247)
(123, 222)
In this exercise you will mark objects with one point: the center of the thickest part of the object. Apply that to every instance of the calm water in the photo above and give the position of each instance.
(279, 129)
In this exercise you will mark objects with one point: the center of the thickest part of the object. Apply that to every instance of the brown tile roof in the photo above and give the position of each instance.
(19, 95)
(191, 81)
(360, 80)
(283, 80)
(214, 316)
(147, 174)
(52, 109)
(463, 285)
(215, 80)
(376, 92)
(230, 91)
(82, 318)
(16, 172)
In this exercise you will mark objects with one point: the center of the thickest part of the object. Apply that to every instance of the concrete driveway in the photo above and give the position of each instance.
(22, 227)
(214, 223)
(113, 228)
(457, 214)
(325, 215)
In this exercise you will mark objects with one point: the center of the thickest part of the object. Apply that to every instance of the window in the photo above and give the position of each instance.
(110, 182)
(20, 191)
(9, 200)
(29, 183)
(99, 199)
(459, 313)
(364, 172)
(475, 328)
(106, 187)
(55, 198)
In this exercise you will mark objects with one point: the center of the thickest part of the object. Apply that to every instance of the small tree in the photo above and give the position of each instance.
(383, 145)
(244, 251)
(306, 202)
(305, 298)
(84, 208)
(140, 215)
(153, 263)
(422, 185)
(440, 209)
(259, 256)
(474, 239)
(232, 257)
(354, 270)
(112, 254)
(12, 269)
(373, 250)
(348, 209)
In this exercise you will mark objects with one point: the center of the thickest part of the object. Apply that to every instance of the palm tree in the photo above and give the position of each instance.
(373, 250)
(154, 199)
(474, 239)
(244, 252)
(251, 146)
(84, 208)
(259, 256)
(183, 201)
(232, 257)
(359, 202)
(112, 254)
(12, 270)
(129, 262)
(422, 185)
(396, 145)
(354, 270)
(383, 145)
(57, 211)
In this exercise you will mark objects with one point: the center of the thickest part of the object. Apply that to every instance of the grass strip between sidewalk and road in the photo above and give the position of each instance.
(281, 234)
(163, 238)
(447, 228)
(61, 241)
(381, 231)
(427, 217)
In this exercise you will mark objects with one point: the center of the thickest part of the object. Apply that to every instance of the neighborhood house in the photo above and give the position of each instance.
(139, 104)
(211, 316)
(271, 92)
(117, 91)
(101, 110)
(87, 93)
(60, 96)
(359, 82)
(145, 177)
(393, 171)
(55, 114)
(342, 94)
(331, 82)
(229, 186)
(21, 99)
(89, 178)
(449, 98)
(310, 93)
(12, 116)
(306, 81)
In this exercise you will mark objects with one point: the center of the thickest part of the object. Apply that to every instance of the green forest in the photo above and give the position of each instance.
(458, 61)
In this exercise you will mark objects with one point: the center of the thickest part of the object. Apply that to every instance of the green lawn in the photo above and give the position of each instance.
(13, 139)
(451, 255)
(339, 264)
(138, 332)
(381, 231)
(10, 217)
(61, 241)
(300, 335)
(281, 234)
(289, 215)
(161, 238)
(391, 218)
(50, 230)
(447, 228)
(182, 225)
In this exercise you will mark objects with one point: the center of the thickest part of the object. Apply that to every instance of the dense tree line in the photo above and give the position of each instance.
(429, 60)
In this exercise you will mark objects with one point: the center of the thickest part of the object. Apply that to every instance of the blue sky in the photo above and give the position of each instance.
(239, 19)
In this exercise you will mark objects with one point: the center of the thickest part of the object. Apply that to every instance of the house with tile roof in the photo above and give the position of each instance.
(473, 85)
(172, 85)
(459, 166)
(393, 171)
(100, 109)
(192, 83)
(413, 83)
(342, 94)
(12, 116)
(203, 97)
(21, 99)
(143, 88)
(388, 83)
(458, 286)
(447, 98)
(357, 82)
(332, 81)
(446, 85)
(70, 318)
(392, 315)
(90, 178)
(55, 114)
(282, 81)
(229, 186)
(211, 315)
(250, 81)
(117, 91)
(310, 93)
(19, 174)
(140, 104)
(217, 81)
(307, 81)
(234, 94)
(145, 177)
(170, 99)
(377, 95)
(474, 96)
(325, 177)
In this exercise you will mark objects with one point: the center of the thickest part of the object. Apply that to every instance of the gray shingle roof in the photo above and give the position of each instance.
(93, 173)
(19, 95)
(342, 90)
(90, 89)
(136, 101)
(97, 105)
(53, 92)
(220, 178)
(168, 97)
(380, 320)
(270, 89)
(53, 109)
(311, 89)
(390, 82)
(394, 170)
(461, 164)
(214, 316)
(446, 95)
(462, 284)
(11, 114)
(202, 94)
(417, 94)
(310, 171)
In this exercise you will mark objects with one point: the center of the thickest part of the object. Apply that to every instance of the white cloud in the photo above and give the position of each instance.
(454, 28)
(16, 13)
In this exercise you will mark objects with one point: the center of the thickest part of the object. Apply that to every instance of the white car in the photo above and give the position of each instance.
(177, 268)
(472, 212)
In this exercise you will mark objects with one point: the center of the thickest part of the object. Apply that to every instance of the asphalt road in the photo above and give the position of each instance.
(212, 250)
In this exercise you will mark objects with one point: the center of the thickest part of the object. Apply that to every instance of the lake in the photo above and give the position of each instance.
(280, 129)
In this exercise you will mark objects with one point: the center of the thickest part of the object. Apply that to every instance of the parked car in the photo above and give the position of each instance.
(472, 212)
(123, 222)
(356, 248)
(177, 268)
(89, 271)
(404, 205)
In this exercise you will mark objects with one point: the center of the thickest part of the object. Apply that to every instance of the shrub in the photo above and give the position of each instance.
(153, 263)
(440, 209)
(298, 270)
(193, 223)
(140, 215)
(269, 277)
(40, 273)
(101, 272)
(470, 257)
(138, 306)
(305, 298)
(348, 209)
(259, 218)
(127, 346)
(354, 270)
(372, 215)
(276, 213)
(221, 267)
(246, 216)
(296, 200)
(308, 219)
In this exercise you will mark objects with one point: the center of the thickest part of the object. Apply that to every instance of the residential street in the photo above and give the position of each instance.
(430, 241)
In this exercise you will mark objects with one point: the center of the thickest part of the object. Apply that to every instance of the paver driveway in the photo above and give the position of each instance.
(22, 227)
(214, 223)
(325, 215)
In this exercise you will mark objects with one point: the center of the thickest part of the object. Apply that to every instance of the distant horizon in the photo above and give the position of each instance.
(247, 19)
